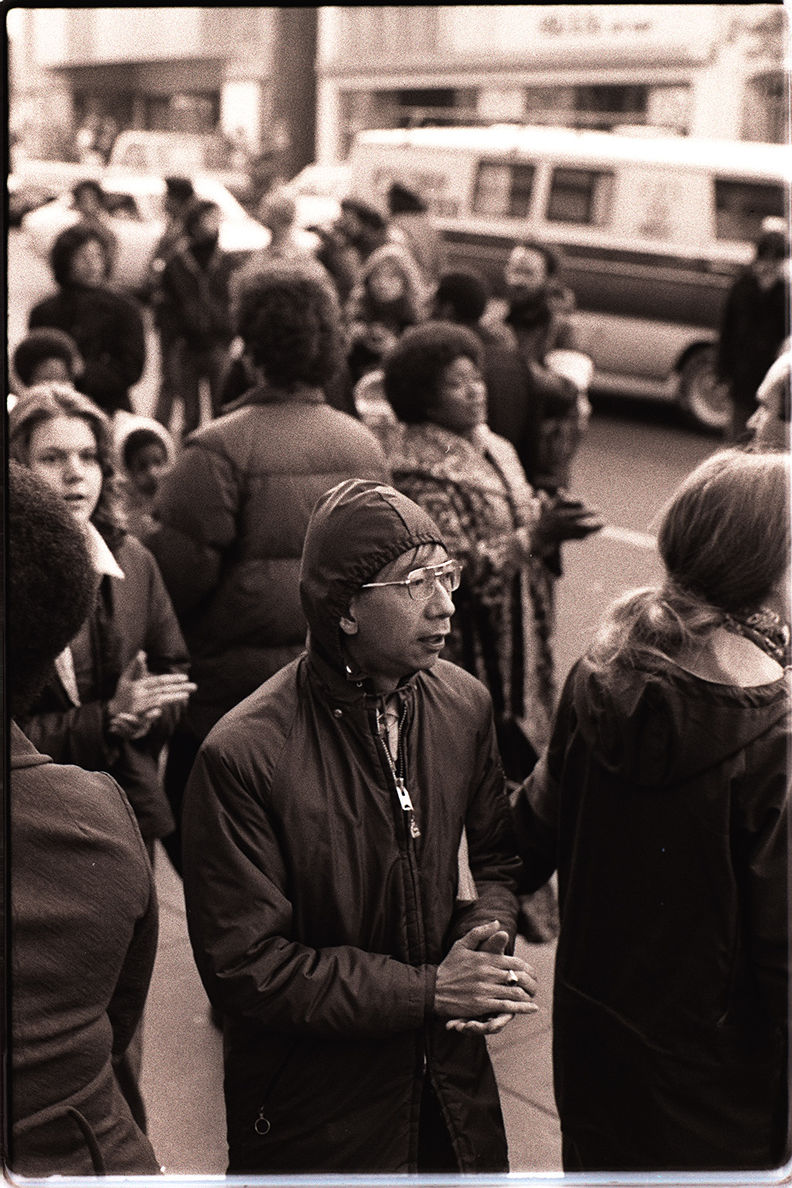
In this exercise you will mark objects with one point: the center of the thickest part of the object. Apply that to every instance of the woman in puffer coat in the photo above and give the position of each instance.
(233, 511)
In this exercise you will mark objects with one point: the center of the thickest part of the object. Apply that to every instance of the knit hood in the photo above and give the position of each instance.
(125, 423)
(355, 529)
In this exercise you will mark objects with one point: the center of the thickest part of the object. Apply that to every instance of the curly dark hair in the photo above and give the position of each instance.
(51, 584)
(46, 342)
(412, 370)
(43, 403)
(290, 323)
(67, 244)
(465, 291)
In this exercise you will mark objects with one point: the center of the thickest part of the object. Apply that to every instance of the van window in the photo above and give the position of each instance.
(580, 196)
(741, 206)
(503, 189)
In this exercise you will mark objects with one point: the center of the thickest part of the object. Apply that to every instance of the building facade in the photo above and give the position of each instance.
(300, 82)
(244, 73)
(707, 70)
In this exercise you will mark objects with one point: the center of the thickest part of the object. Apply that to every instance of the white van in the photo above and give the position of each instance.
(652, 229)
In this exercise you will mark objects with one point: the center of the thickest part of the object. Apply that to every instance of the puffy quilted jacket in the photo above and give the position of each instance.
(232, 516)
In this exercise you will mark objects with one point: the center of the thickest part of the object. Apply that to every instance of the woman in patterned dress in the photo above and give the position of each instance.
(471, 482)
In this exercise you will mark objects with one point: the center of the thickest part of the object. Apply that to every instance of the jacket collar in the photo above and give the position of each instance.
(349, 690)
(104, 562)
(266, 394)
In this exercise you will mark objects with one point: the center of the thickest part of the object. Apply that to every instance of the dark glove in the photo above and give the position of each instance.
(562, 519)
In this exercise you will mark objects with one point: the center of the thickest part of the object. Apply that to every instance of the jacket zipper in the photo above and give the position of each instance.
(398, 770)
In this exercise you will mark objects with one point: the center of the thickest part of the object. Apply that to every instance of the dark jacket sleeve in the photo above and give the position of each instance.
(761, 849)
(164, 646)
(196, 524)
(241, 925)
(125, 1009)
(73, 734)
(536, 804)
(492, 845)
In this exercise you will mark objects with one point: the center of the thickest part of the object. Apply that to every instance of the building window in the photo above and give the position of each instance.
(765, 109)
(580, 196)
(741, 206)
(600, 106)
(503, 190)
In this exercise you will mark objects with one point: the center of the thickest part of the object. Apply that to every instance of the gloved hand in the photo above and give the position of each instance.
(564, 518)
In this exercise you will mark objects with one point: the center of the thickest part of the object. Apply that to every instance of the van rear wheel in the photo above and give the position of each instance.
(702, 397)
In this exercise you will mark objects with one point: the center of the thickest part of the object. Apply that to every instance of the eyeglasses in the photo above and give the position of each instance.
(422, 583)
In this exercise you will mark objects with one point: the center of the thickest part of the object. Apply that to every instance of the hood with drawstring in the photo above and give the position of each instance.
(355, 529)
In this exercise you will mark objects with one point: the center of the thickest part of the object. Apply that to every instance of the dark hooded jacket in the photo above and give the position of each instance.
(663, 803)
(317, 919)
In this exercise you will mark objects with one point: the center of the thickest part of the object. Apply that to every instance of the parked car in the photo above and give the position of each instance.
(136, 212)
(318, 190)
(24, 195)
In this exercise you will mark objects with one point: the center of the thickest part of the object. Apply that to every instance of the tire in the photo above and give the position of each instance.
(704, 400)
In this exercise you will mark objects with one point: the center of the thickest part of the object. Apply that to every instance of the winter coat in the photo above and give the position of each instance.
(231, 518)
(132, 613)
(540, 325)
(367, 316)
(192, 299)
(83, 937)
(663, 802)
(754, 324)
(318, 918)
(107, 327)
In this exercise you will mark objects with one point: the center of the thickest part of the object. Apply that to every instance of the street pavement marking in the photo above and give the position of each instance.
(640, 540)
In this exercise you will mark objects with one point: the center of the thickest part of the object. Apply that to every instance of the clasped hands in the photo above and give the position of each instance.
(141, 696)
(479, 987)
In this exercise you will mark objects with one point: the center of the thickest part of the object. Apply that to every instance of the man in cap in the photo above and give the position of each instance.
(349, 871)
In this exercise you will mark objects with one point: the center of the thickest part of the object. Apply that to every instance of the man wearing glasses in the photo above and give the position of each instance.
(350, 872)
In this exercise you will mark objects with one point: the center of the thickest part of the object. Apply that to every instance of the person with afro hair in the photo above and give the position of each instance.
(44, 355)
(514, 399)
(232, 513)
(83, 911)
(106, 325)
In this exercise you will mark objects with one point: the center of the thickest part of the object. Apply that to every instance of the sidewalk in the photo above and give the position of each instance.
(182, 1077)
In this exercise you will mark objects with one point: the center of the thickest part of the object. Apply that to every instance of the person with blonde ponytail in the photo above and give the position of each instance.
(662, 800)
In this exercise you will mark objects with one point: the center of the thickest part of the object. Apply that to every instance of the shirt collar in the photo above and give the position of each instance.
(102, 558)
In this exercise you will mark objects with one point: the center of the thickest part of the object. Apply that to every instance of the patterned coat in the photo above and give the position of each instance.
(479, 496)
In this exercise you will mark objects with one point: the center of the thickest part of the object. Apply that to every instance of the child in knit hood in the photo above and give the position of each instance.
(145, 452)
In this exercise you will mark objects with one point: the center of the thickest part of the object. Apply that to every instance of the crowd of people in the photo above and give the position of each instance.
(303, 638)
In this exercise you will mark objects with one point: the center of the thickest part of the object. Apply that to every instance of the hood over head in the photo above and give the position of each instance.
(663, 727)
(125, 424)
(355, 529)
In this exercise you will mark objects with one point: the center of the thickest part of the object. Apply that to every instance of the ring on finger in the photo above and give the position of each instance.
(511, 978)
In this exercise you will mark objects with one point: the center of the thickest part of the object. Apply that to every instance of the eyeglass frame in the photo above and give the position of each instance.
(455, 571)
